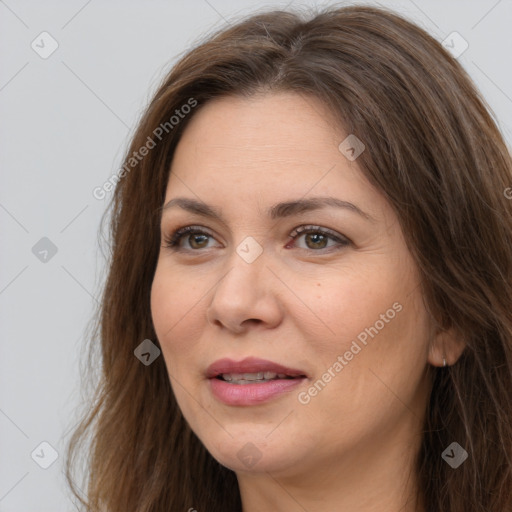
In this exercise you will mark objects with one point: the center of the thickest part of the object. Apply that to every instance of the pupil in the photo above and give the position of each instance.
(318, 236)
(195, 237)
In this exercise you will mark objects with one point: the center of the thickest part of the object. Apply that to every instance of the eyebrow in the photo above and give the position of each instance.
(277, 211)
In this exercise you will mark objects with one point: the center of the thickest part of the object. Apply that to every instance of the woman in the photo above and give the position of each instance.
(309, 298)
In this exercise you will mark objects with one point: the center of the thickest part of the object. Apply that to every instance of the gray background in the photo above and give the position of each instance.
(65, 123)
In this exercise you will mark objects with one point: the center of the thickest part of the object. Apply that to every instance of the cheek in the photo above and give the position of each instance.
(174, 309)
(175, 305)
(374, 316)
(350, 300)
(382, 358)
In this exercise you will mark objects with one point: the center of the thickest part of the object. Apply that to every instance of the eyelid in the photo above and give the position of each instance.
(314, 228)
(172, 241)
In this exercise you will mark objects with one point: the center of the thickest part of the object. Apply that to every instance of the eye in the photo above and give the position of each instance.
(317, 238)
(197, 238)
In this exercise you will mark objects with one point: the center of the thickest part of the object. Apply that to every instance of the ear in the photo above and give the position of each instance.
(446, 344)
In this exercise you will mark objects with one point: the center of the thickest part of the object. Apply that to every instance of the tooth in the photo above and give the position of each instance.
(249, 378)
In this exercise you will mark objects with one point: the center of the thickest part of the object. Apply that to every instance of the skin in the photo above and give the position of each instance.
(300, 303)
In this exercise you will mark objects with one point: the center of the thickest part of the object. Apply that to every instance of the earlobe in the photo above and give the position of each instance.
(445, 348)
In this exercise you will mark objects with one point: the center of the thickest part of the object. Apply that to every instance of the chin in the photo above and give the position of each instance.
(252, 453)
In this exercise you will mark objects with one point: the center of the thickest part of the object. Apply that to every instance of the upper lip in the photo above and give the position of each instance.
(250, 365)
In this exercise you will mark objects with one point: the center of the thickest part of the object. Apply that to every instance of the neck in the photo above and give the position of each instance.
(378, 475)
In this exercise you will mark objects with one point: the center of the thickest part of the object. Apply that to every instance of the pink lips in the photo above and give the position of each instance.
(251, 394)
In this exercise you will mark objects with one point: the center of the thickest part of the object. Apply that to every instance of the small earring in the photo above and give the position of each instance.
(444, 362)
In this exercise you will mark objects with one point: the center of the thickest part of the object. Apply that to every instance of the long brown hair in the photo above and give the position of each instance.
(434, 151)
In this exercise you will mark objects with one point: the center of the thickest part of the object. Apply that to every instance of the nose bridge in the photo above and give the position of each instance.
(244, 275)
(243, 292)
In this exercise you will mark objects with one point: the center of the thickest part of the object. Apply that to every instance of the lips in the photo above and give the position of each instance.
(250, 365)
(252, 381)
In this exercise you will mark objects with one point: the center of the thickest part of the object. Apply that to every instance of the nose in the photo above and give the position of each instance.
(246, 295)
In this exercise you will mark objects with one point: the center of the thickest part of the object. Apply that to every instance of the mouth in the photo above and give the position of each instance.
(251, 370)
(251, 381)
(254, 378)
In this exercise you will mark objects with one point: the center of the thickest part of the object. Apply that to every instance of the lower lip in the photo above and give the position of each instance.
(252, 394)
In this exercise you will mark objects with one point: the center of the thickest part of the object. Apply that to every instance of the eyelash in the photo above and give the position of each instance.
(172, 241)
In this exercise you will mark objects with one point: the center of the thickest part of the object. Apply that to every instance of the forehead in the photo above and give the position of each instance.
(280, 122)
(283, 134)
(273, 147)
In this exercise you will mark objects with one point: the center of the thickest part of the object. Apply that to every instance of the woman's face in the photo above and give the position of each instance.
(338, 306)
